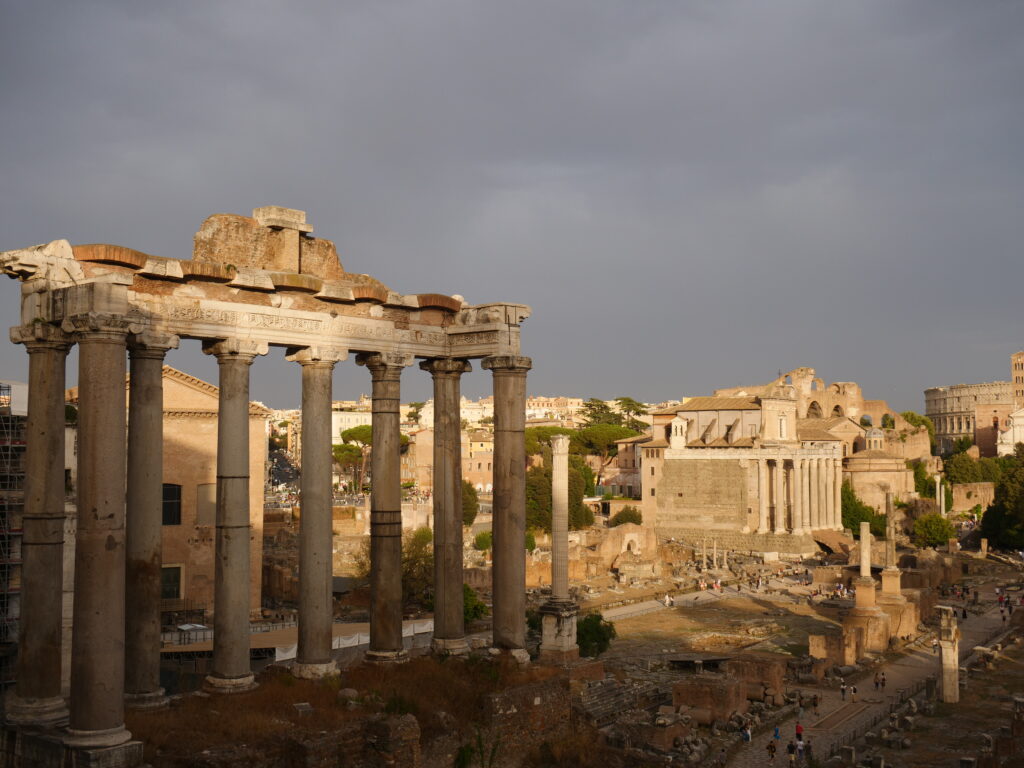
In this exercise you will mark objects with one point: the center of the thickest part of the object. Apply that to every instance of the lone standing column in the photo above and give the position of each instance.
(316, 616)
(97, 645)
(837, 499)
(763, 526)
(560, 518)
(231, 671)
(779, 497)
(144, 520)
(386, 508)
(37, 698)
(449, 624)
(509, 504)
(940, 497)
(865, 550)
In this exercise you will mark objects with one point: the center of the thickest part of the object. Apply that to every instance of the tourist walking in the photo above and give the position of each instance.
(853, 693)
(878, 681)
(799, 731)
(777, 735)
(883, 681)
(842, 690)
(791, 750)
(771, 752)
(808, 755)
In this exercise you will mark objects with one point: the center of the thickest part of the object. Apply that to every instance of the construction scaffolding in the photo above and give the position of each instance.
(12, 501)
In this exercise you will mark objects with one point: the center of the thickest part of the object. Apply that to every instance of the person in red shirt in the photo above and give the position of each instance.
(799, 732)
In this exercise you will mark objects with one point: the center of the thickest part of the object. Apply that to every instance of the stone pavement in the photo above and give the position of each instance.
(841, 722)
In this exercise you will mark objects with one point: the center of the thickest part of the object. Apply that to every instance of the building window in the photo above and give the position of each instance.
(652, 471)
(170, 582)
(172, 504)
(652, 491)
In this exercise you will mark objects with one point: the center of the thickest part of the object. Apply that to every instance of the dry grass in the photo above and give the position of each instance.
(423, 687)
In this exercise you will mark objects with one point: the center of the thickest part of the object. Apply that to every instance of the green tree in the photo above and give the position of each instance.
(416, 411)
(538, 499)
(348, 457)
(473, 607)
(538, 439)
(630, 409)
(961, 444)
(888, 422)
(961, 468)
(628, 514)
(361, 436)
(483, 541)
(579, 463)
(599, 440)
(470, 503)
(418, 566)
(856, 511)
(596, 411)
(923, 482)
(593, 634)
(1003, 522)
(529, 541)
(933, 530)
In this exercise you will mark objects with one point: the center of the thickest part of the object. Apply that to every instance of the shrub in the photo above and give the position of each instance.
(856, 511)
(933, 530)
(473, 607)
(530, 541)
(594, 634)
(628, 514)
(483, 541)
(470, 503)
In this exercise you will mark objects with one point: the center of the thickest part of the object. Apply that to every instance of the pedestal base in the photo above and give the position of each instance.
(314, 671)
(213, 684)
(558, 632)
(40, 712)
(456, 646)
(386, 657)
(146, 701)
(48, 748)
(110, 737)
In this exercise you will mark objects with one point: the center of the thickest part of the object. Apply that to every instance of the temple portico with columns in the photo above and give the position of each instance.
(744, 469)
(253, 283)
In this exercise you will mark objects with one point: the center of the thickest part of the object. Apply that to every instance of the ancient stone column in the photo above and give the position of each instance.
(798, 502)
(97, 644)
(509, 505)
(316, 614)
(865, 550)
(386, 508)
(449, 625)
(949, 650)
(778, 498)
(558, 615)
(940, 497)
(814, 490)
(560, 518)
(231, 672)
(824, 471)
(830, 494)
(36, 698)
(763, 526)
(714, 553)
(144, 520)
(837, 499)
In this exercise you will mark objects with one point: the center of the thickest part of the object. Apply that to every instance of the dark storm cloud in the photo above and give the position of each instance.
(689, 194)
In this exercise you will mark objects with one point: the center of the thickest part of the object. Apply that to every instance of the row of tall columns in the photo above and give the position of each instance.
(809, 489)
(116, 639)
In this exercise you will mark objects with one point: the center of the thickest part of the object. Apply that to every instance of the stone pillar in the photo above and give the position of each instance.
(763, 526)
(558, 615)
(830, 494)
(865, 550)
(316, 611)
(778, 498)
(560, 518)
(704, 553)
(837, 499)
(449, 625)
(144, 520)
(509, 505)
(949, 650)
(814, 489)
(824, 470)
(798, 501)
(386, 508)
(97, 644)
(714, 553)
(36, 698)
(940, 497)
(231, 672)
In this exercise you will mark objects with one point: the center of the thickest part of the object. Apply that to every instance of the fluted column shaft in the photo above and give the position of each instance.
(144, 521)
(385, 509)
(231, 670)
(814, 472)
(778, 497)
(509, 504)
(824, 470)
(560, 518)
(37, 690)
(316, 615)
(97, 645)
(799, 510)
(449, 624)
(763, 525)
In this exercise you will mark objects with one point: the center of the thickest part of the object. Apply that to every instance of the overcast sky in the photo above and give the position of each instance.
(690, 195)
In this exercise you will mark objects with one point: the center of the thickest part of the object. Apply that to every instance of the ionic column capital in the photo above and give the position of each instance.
(507, 363)
(99, 326)
(151, 345)
(381, 364)
(242, 349)
(316, 354)
(38, 336)
(445, 366)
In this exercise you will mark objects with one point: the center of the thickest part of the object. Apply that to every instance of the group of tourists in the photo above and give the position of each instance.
(798, 750)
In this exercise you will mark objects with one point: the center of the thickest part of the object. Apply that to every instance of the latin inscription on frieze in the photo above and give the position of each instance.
(253, 319)
(474, 338)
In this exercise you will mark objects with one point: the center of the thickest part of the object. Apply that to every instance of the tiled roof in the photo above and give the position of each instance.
(719, 404)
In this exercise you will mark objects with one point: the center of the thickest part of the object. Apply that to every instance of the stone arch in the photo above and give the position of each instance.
(838, 411)
(814, 410)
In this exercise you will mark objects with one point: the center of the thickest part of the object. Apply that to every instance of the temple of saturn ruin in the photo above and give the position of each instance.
(252, 283)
